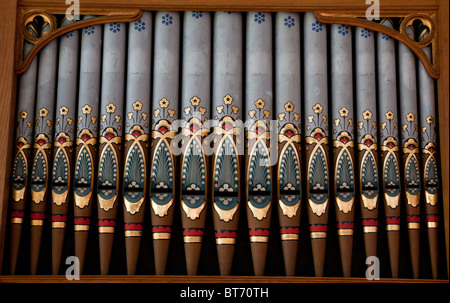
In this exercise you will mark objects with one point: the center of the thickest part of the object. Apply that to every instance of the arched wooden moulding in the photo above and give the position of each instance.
(351, 18)
(30, 17)
(429, 34)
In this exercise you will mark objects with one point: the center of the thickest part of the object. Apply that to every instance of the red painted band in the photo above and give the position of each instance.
(107, 222)
(37, 216)
(258, 232)
(193, 232)
(133, 226)
(225, 234)
(318, 227)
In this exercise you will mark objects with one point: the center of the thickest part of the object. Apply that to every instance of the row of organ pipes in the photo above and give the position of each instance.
(98, 125)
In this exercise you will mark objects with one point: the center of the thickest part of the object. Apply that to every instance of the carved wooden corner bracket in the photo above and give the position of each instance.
(427, 37)
(28, 31)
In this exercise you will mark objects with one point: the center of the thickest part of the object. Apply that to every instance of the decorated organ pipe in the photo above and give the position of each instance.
(111, 135)
(342, 113)
(389, 142)
(137, 109)
(227, 158)
(195, 103)
(259, 107)
(87, 131)
(316, 136)
(409, 130)
(288, 112)
(63, 140)
(165, 110)
(23, 150)
(197, 117)
(429, 157)
(42, 145)
(367, 136)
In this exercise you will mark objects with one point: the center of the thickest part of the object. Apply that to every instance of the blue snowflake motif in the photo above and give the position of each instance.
(114, 27)
(89, 30)
(365, 33)
(289, 21)
(139, 25)
(317, 26)
(69, 34)
(167, 19)
(385, 37)
(197, 15)
(343, 30)
(260, 18)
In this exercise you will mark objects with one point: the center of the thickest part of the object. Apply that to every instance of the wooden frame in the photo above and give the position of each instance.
(12, 11)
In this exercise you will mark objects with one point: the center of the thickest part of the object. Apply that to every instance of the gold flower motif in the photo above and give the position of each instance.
(23, 114)
(195, 101)
(350, 122)
(202, 110)
(63, 111)
(220, 109)
(367, 114)
(227, 99)
(404, 127)
(289, 106)
(410, 117)
(374, 125)
(252, 113)
(235, 109)
(296, 117)
(171, 113)
(86, 109)
(343, 112)
(164, 103)
(130, 116)
(430, 120)
(69, 121)
(156, 113)
(144, 116)
(281, 116)
(360, 125)
(424, 129)
(103, 117)
(137, 105)
(57, 121)
(266, 113)
(324, 118)
(395, 125)
(110, 108)
(260, 103)
(389, 115)
(117, 118)
(43, 112)
(29, 124)
(80, 119)
(311, 118)
(383, 125)
(337, 122)
(187, 111)
(49, 123)
(317, 108)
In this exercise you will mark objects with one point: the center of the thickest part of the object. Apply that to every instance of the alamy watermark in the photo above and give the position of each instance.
(73, 11)
(373, 11)
(73, 270)
(373, 268)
